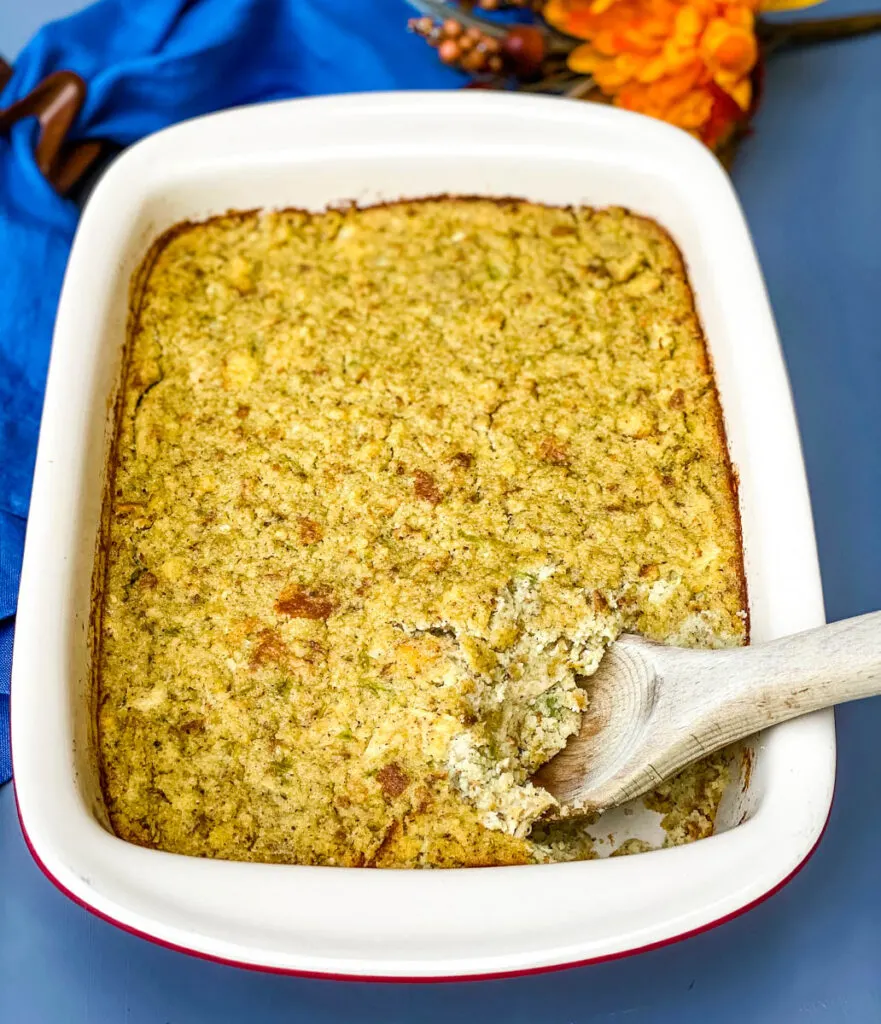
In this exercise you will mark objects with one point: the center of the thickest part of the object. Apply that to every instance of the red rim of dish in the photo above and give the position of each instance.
(395, 979)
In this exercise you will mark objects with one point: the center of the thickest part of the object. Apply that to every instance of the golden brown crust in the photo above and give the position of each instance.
(725, 453)
(329, 557)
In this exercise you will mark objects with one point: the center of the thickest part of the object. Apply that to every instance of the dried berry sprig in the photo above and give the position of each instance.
(526, 52)
(470, 49)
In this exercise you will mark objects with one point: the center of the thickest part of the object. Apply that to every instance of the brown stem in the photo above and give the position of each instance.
(552, 81)
(776, 36)
(581, 89)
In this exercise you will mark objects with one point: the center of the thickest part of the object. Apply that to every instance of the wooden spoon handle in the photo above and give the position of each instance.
(723, 696)
(655, 709)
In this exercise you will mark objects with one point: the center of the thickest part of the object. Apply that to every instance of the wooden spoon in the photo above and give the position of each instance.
(655, 709)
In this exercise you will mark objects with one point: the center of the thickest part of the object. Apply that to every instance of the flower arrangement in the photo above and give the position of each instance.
(694, 63)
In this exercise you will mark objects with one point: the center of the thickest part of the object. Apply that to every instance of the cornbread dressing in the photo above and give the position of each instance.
(386, 483)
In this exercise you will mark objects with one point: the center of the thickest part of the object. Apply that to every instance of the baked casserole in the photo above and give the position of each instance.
(385, 485)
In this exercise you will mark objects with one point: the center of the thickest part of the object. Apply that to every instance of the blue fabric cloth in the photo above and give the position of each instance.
(147, 64)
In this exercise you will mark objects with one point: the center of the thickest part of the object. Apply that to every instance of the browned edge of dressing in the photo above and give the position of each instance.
(731, 474)
(137, 289)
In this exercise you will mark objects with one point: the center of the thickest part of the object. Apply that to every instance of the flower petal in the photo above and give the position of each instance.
(692, 111)
(729, 48)
(569, 16)
(689, 62)
(584, 59)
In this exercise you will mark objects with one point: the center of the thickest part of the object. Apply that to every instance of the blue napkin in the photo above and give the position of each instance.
(147, 64)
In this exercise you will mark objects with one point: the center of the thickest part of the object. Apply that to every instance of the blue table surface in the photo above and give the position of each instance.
(810, 180)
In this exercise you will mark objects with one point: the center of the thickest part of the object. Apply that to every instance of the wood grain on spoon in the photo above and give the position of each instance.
(655, 709)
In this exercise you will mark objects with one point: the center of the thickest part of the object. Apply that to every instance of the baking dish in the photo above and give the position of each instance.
(409, 924)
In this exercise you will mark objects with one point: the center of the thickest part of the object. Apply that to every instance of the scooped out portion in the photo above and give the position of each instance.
(386, 483)
(519, 685)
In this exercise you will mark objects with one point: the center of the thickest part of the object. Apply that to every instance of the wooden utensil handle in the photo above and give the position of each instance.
(734, 693)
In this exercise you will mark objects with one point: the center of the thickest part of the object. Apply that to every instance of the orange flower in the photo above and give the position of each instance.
(689, 62)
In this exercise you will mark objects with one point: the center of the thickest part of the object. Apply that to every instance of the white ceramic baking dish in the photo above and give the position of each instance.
(408, 924)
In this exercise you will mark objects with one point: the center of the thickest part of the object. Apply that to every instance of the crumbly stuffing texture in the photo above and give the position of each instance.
(689, 801)
(387, 483)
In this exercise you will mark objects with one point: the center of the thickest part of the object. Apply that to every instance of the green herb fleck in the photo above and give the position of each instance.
(284, 686)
